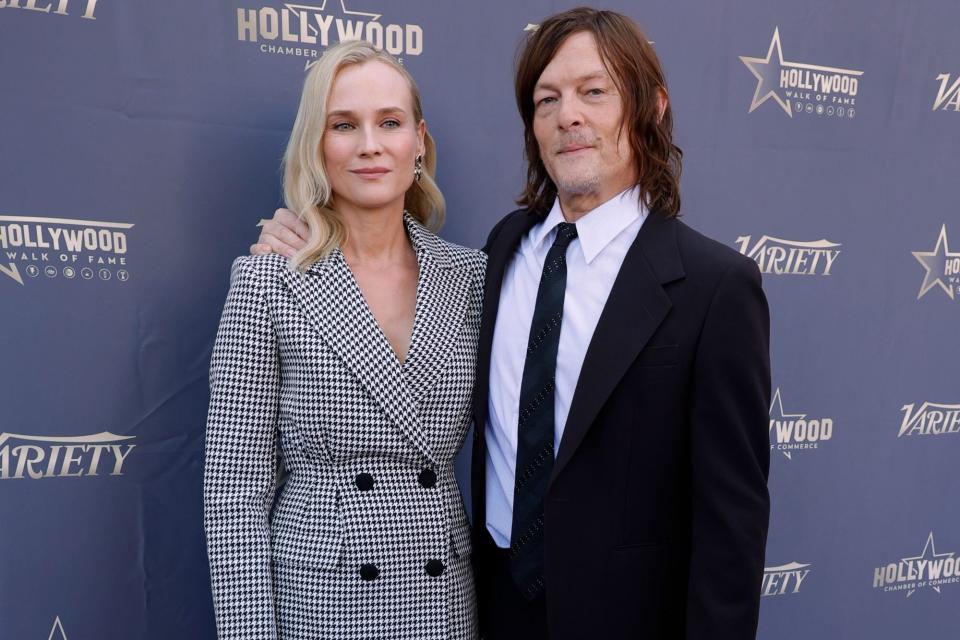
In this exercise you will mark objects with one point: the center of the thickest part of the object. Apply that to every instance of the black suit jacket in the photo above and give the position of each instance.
(656, 515)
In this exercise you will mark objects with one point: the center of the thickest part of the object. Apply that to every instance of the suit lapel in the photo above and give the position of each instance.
(636, 307)
(331, 299)
(499, 255)
(442, 291)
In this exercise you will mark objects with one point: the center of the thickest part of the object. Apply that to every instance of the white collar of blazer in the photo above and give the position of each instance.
(330, 297)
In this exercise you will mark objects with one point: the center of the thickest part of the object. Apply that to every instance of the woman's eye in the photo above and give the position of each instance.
(595, 92)
(391, 124)
(545, 101)
(342, 126)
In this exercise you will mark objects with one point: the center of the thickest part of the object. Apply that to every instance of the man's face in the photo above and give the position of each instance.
(578, 124)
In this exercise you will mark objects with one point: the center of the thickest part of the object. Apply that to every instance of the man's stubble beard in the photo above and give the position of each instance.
(579, 181)
(578, 186)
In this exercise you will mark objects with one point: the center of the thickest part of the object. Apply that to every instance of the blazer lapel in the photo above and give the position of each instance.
(442, 292)
(498, 257)
(331, 299)
(636, 307)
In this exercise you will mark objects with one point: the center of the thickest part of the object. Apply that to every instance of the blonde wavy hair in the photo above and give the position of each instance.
(306, 187)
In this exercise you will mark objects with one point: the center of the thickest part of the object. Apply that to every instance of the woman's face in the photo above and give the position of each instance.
(370, 140)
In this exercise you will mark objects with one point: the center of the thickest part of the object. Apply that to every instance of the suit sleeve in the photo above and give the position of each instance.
(730, 460)
(241, 457)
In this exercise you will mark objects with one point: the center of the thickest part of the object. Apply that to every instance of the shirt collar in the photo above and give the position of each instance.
(599, 227)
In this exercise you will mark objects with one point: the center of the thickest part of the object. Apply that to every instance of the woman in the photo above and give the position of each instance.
(351, 366)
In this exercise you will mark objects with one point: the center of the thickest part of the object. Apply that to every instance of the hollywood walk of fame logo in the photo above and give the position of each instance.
(798, 87)
(53, 247)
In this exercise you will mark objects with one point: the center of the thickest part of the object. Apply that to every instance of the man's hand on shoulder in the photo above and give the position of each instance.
(285, 234)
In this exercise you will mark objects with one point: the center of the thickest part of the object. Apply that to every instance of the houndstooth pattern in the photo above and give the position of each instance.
(303, 379)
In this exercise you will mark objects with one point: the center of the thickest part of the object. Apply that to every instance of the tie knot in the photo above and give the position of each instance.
(566, 232)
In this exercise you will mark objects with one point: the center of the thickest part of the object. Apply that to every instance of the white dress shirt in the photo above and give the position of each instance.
(593, 261)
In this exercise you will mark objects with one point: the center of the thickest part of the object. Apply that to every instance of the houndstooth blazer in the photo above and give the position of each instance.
(366, 537)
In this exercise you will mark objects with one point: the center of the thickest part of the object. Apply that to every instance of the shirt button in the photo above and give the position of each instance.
(369, 572)
(435, 568)
(427, 478)
(364, 481)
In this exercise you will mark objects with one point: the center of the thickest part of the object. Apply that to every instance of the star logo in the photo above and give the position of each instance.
(323, 6)
(56, 631)
(768, 72)
(303, 10)
(778, 415)
(942, 267)
(929, 555)
(13, 272)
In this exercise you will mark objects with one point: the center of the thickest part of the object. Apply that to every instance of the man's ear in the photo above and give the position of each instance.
(662, 102)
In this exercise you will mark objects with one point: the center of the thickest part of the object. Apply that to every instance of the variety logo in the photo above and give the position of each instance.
(929, 569)
(789, 257)
(942, 268)
(63, 248)
(795, 431)
(948, 97)
(303, 30)
(36, 457)
(56, 7)
(799, 87)
(931, 419)
(783, 580)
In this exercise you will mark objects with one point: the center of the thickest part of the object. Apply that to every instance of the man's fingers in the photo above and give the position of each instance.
(290, 220)
(281, 237)
(275, 244)
(285, 234)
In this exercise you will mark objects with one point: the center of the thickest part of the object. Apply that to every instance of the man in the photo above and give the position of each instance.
(621, 452)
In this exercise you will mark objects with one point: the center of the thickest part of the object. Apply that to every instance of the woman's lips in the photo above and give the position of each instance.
(370, 173)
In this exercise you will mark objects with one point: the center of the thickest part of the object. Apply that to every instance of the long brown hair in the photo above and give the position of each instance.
(636, 71)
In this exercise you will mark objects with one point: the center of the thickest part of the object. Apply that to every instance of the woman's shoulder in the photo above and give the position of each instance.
(257, 271)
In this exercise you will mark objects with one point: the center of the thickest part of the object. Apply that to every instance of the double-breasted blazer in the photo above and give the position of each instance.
(363, 534)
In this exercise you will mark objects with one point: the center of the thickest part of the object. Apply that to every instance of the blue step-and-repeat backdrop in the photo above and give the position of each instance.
(140, 143)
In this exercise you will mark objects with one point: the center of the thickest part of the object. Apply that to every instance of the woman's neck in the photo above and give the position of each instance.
(375, 237)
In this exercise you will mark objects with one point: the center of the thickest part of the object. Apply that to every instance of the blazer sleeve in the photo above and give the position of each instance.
(241, 456)
(730, 460)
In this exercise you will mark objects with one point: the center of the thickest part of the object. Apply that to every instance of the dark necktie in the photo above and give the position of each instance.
(535, 425)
